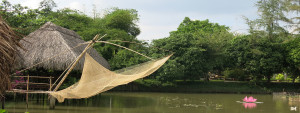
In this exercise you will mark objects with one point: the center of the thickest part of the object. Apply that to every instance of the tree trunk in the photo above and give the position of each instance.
(293, 81)
(3, 102)
(269, 79)
(206, 78)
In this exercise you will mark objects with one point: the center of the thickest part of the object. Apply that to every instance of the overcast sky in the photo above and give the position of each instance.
(159, 17)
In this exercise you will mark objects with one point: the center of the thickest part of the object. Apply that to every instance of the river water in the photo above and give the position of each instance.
(163, 103)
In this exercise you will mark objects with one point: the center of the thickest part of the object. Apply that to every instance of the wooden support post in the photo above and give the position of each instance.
(50, 79)
(15, 94)
(43, 98)
(52, 102)
(27, 92)
(51, 98)
(37, 98)
(3, 102)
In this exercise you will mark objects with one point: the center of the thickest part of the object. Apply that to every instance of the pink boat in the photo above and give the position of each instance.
(249, 100)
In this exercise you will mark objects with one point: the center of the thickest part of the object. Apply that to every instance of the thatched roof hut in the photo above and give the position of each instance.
(8, 47)
(50, 40)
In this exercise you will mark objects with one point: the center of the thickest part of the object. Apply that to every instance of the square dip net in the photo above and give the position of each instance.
(96, 79)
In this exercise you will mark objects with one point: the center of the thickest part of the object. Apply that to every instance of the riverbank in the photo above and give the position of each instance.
(210, 87)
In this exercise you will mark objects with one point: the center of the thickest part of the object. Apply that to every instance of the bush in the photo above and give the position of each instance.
(149, 82)
(237, 74)
(168, 84)
(3, 111)
(279, 77)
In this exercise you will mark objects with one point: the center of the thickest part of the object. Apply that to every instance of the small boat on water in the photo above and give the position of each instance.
(249, 100)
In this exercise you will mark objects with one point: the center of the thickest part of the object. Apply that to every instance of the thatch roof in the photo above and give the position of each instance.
(8, 47)
(50, 40)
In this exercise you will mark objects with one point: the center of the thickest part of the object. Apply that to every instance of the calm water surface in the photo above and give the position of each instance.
(162, 103)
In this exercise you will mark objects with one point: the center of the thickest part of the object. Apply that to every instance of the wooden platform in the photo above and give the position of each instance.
(27, 91)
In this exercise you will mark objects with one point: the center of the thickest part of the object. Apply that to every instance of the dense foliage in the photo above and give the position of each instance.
(200, 47)
(118, 24)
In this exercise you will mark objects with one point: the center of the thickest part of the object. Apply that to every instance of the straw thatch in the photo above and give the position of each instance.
(8, 47)
(50, 40)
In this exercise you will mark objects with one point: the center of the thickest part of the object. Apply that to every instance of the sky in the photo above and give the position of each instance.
(159, 17)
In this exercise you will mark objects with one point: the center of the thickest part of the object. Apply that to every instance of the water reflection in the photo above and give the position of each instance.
(249, 105)
(112, 101)
(197, 103)
(292, 99)
(160, 103)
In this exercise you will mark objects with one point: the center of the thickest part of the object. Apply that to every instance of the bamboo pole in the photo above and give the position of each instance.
(77, 60)
(52, 99)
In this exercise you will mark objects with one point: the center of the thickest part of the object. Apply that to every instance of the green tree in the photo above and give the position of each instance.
(271, 12)
(118, 24)
(257, 56)
(264, 44)
(198, 47)
(272, 60)
(71, 19)
(23, 19)
(46, 6)
(188, 57)
(170, 71)
(6, 7)
(125, 58)
(123, 19)
(292, 56)
(293, 6)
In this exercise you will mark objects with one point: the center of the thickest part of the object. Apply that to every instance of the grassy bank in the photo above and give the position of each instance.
(209, 87)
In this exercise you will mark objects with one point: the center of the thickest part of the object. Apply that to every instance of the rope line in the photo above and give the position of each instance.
(139, 44)
(125, 48)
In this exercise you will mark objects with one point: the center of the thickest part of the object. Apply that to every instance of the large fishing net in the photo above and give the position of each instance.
(96, 79)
